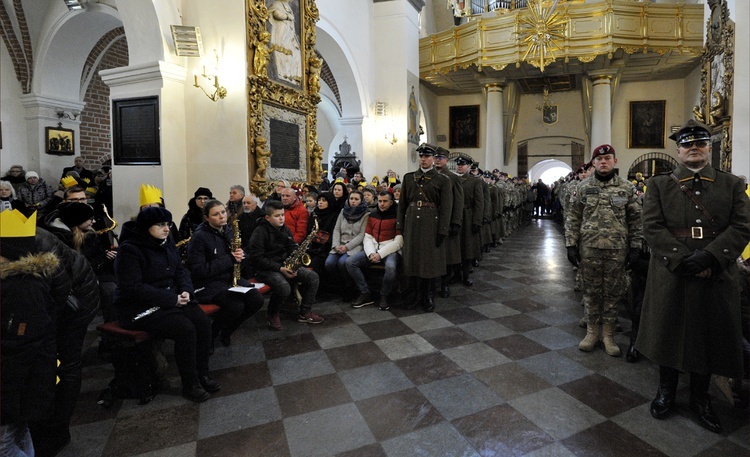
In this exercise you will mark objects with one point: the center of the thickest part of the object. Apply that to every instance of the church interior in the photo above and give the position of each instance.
(182, 94)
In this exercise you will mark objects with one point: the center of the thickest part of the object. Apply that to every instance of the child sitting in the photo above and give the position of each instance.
(270, 245)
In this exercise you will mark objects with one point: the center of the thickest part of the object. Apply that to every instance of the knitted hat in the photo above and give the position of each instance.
(203, 191)
(150, 216)
(74, 214)
(31, 174)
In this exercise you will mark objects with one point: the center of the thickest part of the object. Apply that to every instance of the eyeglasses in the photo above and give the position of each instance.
(697, 143)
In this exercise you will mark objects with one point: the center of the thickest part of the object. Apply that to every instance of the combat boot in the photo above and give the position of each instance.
(610, 347)
(445, 290)
(592, 337)
(428, 303)
(700, 402)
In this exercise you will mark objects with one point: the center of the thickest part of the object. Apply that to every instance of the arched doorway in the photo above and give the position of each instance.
(549, 171)
(652, 164)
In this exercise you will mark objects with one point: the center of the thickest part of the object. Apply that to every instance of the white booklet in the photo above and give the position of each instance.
(244, 290)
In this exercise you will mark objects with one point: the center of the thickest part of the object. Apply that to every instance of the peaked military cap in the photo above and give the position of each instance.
(426, 149)
(441, 152)
(692, 130)
(461, 158)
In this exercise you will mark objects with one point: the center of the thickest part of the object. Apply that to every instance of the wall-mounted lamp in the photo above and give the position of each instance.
(62, 114)
(219, 91)
(391, 137)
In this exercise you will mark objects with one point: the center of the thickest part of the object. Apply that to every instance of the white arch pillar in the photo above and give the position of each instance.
(601, 115)
(494, 138)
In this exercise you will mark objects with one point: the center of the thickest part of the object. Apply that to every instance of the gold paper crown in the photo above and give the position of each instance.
(69, 181)
(13, 224)
(150, 194)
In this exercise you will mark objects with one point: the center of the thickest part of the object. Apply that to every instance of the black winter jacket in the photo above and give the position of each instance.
(149, 274)
(270, 246)
(210, 261)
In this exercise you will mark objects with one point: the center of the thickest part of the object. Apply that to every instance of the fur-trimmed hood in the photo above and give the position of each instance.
(40, 264)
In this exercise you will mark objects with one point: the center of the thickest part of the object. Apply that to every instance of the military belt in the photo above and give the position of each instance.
(424, 204)
(696, 233)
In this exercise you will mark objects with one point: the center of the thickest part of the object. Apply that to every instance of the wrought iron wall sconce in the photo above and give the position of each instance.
(219, 91)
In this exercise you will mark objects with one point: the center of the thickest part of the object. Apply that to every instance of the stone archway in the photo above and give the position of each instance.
(545, 167)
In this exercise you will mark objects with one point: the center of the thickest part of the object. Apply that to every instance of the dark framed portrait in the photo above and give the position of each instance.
(285, 44)
(135, 131)
(60, 141)
(646, 127)
(549, 114)
(464, 126)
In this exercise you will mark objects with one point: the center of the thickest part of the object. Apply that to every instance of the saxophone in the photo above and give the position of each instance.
(236, 244)
(300, 256)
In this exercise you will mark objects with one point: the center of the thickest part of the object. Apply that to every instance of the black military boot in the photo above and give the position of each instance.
(445, 290)
(700, 402)
(465, 276)
(428, 304)
(417, 298)
(665, 395)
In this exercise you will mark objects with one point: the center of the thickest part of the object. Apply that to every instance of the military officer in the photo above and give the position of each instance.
(473, 213)
(453, 242)
(424, 215)
(696, 221)
(602, 232)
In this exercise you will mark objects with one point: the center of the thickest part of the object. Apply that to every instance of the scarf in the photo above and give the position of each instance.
(354, 213)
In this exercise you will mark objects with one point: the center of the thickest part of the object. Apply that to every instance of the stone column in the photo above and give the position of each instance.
(494, 138)
(601, 116)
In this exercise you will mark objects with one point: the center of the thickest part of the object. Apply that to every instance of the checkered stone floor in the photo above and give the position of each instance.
(495, 371)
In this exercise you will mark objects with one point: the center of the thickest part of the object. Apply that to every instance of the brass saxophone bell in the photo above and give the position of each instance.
(306, 260)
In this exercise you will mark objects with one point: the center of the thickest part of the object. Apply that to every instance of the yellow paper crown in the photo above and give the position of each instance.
(14, 224)
(375, 181)
(150, 194)
(68, 182)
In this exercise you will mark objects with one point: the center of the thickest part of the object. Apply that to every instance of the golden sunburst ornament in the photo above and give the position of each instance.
(542, 31)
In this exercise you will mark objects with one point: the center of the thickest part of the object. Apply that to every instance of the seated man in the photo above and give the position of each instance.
(295, 214)
(270, 245)
(382, 245)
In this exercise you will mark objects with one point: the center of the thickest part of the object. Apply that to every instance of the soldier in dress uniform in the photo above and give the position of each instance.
(453, 243)
(602, 232)
(424, 215)
(696, 221)
(473, 210)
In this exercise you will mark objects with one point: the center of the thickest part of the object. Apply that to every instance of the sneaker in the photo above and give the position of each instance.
(384, 305)
(274, 322)
(363, 300)
(310, 318)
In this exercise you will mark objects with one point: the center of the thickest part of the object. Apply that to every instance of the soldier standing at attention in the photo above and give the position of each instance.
(696, 221)
(473, 209)
(453, 243)
(424, 215)
(602, 232)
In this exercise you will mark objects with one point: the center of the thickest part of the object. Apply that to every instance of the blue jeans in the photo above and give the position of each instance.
(358, 261)
(336, 263)
(16, 441)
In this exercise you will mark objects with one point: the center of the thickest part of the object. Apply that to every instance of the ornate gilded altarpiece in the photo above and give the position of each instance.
(283, 93)
(717, 80)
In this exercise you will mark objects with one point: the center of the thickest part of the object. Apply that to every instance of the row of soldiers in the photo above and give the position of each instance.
(449, 219)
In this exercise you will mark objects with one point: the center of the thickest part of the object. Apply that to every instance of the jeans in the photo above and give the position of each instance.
(336, 263)
(16, 441)
(358, 261)
(281, 288)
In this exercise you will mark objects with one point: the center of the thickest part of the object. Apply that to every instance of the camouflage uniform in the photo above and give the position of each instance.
(604, 221)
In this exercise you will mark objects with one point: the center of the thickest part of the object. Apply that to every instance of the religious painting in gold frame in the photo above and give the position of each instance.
(717, 80)
(283, 92)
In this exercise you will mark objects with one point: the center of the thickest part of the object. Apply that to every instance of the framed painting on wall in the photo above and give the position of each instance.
(646, 126)
(60, 141)
(464, 126)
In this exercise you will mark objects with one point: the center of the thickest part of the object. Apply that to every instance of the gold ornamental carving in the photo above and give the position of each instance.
(542, 31)
(285, 75)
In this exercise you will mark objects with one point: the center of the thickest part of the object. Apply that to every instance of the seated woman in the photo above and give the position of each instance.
(348, 236)
(212, 262)
(155, 294)
(8, 199)
(194, 216)
(74, 226)
(340, 195)
(325, 213)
